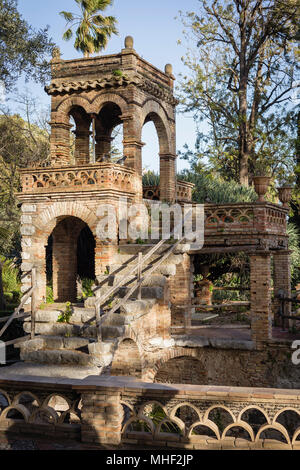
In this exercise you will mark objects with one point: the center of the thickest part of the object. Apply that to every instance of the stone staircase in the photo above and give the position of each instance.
(75, 343)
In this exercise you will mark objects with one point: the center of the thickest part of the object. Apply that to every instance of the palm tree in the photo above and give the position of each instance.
(93, 29)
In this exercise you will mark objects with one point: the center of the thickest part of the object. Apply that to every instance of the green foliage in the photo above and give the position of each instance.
(49, 295)
(65, 317)
(87, 287)
(214, 189)
(150, 178)
(294, 246)
(22, 49)
(93, 29)
(242, 62)
(118, 73)
(10, 276)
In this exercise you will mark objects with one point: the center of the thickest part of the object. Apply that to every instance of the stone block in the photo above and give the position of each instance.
(28, 208)
(27, 230)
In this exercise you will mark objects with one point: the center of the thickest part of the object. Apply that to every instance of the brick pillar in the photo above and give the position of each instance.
(281, 280)
(64, 267)
(104, 256)
(82, 147)
(180, 294)
(60, 143)
(167, 177)
(64, 256)
(260, 291)
(132, 145)
(102, 417)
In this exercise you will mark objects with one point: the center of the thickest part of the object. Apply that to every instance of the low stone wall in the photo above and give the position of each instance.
(116, 411)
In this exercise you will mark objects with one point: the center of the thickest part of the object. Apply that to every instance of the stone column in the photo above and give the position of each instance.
(281, 281)
(167, 177)
(102, 417)
(260, 291)
(60, 143)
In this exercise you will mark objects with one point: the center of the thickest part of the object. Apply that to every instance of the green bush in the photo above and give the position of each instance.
(65, 317)
(10, 276)
(49, 295)
(87, 287)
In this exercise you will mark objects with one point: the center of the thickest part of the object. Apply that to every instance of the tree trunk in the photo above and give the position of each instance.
(243, 134)
(298, 153)
(243, 83)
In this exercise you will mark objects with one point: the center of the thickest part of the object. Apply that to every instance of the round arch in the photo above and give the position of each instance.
(47, 220)
(153, 111)
(101, 100)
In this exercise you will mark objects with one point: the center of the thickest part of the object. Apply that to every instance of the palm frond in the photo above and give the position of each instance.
(94, 29)
(68, 34)
(67, 15)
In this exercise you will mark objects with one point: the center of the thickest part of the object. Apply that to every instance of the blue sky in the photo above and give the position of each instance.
(155, 31)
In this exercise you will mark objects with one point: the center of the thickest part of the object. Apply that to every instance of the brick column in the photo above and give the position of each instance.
(260, 291)
(132, 145)
(104, 256)
(60, 143)
(82, 147)
(167, 177)
(282, 281)
(180, 294)
(103, 145)
(64, 267)
(102, 417)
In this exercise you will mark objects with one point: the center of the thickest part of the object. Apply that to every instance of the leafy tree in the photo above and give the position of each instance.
(23, 143)
(93, 29)
(22, 49)
(243, 72)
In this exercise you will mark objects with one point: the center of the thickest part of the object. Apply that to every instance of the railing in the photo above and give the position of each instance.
(116, 411)
(17, 315)
(184, 191)
(262, 217)
(101, 176)
(283, 302)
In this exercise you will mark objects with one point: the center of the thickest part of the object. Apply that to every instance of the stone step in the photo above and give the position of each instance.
(54, 342)
(105, 282)
(67, 330)
(167, 269)
(60, 356)
(28, 369)
(136, 308)
(131, 260)
(79, 315)
(147, 293)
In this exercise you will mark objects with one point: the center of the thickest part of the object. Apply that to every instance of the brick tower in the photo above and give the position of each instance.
(61, 201)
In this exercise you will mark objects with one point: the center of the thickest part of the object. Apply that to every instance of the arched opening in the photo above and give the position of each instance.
(95, 137)
(159, 173)
(80, 145)
(150, 154)
(182, 370)
(70, 254)
(127, 361)
(109, 133)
